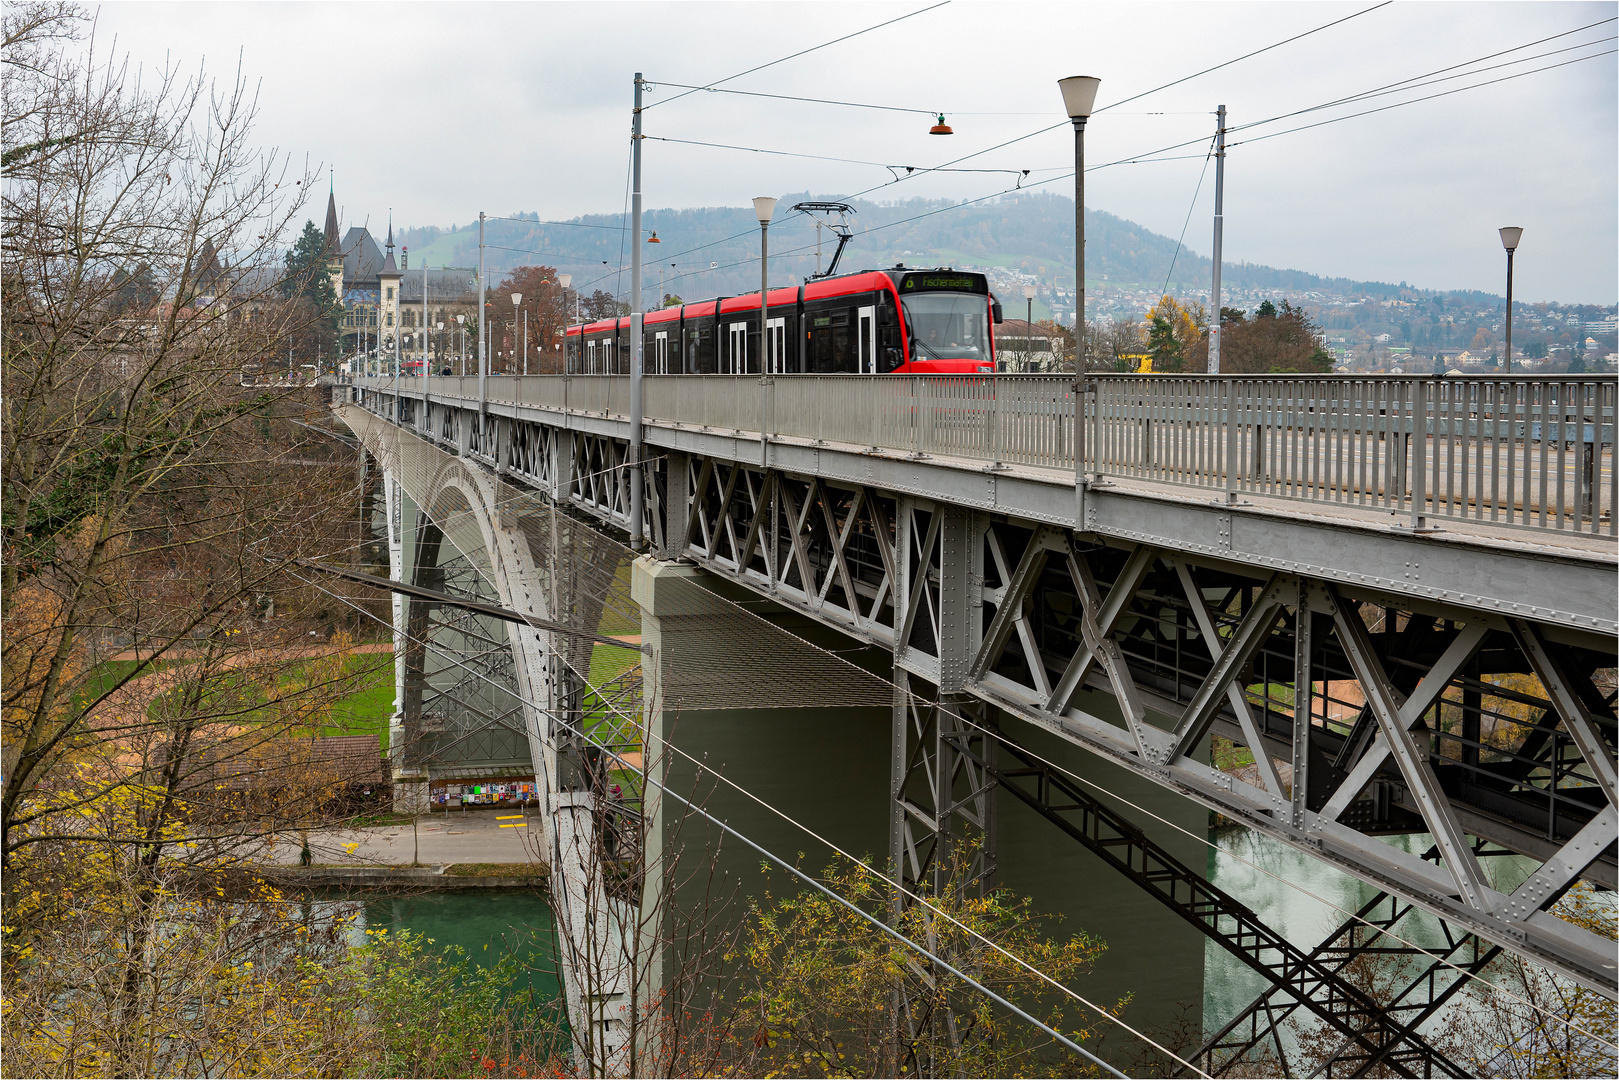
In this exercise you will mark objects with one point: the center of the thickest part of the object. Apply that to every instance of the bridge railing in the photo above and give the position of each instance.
(1520, 452)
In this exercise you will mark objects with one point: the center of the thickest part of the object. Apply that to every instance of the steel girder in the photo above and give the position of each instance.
(1455, 717)
(1371, 1032)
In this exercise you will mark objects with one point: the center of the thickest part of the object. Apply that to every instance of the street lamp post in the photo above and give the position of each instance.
(1510, 236)
(1028, 324)
(461, 324)
(517, 301)
(764, 208)
(438, 342)
(1078, 98)
(564, 280)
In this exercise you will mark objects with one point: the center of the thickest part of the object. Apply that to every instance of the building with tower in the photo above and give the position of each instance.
(382, 297)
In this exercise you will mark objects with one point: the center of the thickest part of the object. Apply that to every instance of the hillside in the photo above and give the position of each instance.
(1031, 232)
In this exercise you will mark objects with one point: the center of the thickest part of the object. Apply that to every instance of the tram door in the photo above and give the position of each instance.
(660, 353)
(737, 353)
(866, 336)
(776, 346)
(590, 357)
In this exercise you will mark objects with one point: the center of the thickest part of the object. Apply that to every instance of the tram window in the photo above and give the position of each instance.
(700, 358)
(890, 352)
(832, 347)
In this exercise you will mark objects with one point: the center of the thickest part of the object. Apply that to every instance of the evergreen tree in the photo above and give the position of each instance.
(306, 268)
(307, 279)
(1166, 351)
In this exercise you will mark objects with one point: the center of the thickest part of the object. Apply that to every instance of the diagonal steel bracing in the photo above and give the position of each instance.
(1399, 701)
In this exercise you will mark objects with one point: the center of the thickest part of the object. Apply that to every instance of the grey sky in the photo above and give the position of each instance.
(442, 110)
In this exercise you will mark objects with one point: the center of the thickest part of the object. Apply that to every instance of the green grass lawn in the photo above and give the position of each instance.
(368, 710)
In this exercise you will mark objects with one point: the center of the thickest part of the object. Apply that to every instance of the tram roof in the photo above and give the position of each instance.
(821, 289)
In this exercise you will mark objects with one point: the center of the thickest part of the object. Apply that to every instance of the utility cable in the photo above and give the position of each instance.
(821, 157)
(1187, 223)
(1430, 97)
(1246, 56)
(793, 97)
(796, 55)
(1145, 93)
(1416, 83)
(785, 864)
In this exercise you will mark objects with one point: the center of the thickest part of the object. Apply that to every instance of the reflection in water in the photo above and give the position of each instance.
(1304, 899)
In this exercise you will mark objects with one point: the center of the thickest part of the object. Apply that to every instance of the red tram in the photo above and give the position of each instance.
(900, 321)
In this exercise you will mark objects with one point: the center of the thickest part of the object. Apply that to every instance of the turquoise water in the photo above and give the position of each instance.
(485, 923)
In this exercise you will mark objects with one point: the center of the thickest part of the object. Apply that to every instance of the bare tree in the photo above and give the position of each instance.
(157, 724)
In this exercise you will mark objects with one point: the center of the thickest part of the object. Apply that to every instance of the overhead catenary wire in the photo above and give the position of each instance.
(1144, 93)
(1182, 240)
(1245, 56)
(796, 55)
(1414, 101)
(1417, 82)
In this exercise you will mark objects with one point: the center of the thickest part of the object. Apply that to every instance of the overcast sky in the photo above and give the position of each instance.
(442, 110)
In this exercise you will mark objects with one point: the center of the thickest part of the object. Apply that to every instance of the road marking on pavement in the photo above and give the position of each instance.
(509, 817)
(514, 826)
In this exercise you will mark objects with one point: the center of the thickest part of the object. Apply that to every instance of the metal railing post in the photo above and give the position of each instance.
(1418, 444)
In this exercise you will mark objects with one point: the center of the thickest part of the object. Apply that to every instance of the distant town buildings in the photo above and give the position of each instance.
(382, 299)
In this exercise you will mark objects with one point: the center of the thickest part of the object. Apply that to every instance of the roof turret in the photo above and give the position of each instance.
(334, 248)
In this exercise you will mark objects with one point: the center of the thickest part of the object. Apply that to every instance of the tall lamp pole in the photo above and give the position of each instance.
(1219, 238)
(1028, 326)
(764, 208)
(483, 339)
(563, 280)
(517, 300)
(637, 496)
(1510, 236)
(1078, 98)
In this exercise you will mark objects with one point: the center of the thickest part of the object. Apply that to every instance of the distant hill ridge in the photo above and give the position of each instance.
(1031, 232)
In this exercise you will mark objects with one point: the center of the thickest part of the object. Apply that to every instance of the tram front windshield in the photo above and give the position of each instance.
(948, 326)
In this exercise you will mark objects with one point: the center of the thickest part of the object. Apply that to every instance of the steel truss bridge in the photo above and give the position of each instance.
(1401, 594)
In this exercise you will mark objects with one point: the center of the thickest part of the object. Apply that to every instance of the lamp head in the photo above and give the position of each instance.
(764, 208)
(564, 280)
(517, 298)
(653, 239)
(1029, 291)
(1079, 95)
(1509, 237)
(941, 128)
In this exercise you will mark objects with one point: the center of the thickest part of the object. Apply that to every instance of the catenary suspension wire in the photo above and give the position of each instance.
(796, 55)
(1467, 976)
(1245, 56)
(1416, 83)
(1145, 93)
(785, 864)
(1467, 63)
(1185, 224)
(1430, 97)
(794, 97)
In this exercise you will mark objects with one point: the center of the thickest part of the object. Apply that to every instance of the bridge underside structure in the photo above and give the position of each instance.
(1434, 656)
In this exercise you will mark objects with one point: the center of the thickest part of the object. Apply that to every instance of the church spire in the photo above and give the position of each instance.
(389, 268)
(334, 242)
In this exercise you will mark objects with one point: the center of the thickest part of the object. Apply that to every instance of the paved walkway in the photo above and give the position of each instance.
(474, 836)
